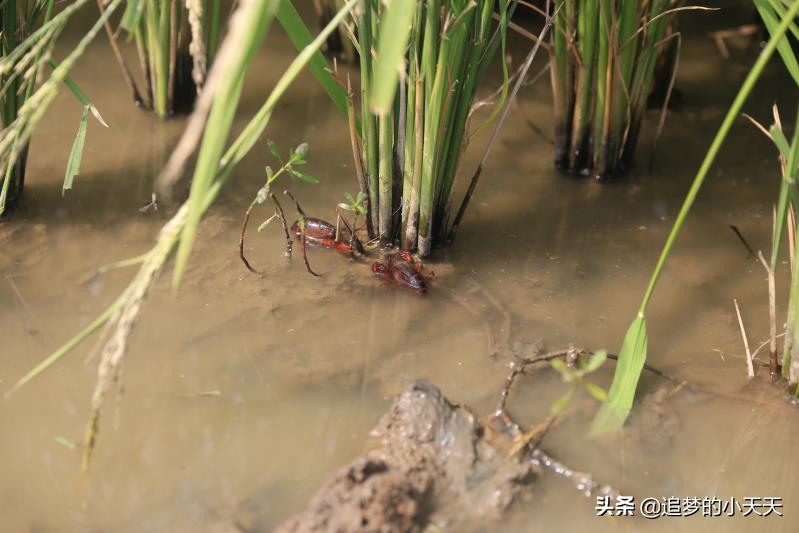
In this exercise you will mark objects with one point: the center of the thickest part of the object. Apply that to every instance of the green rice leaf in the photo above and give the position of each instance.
(132, 16)
(780, 140)
(792, 160)
(613, 413)
(75, 89)
(301, 37)
(789, 154)
(75, 155)
(771, 11)
(395, 26)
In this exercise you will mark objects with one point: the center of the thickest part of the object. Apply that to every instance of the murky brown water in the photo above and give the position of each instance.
(244, 392)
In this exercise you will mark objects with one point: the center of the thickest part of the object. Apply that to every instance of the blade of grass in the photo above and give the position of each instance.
(786, 186)
(301, 37)
(771, 11)
(76, 154)
(395, 27)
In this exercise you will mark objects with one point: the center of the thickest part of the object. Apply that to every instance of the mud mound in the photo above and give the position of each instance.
(431, 462)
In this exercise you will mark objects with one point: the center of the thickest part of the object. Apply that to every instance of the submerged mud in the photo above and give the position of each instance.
(432, 462)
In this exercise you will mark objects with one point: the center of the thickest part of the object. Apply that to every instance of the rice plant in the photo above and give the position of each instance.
(29, 33)
(604, 54)
(780, 17)
(788, 201)
(785, 217)
(418, 84)
(175, 41)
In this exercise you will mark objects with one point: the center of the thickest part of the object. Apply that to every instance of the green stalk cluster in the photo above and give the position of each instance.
(780, 18)
(29, 34)
(604, 54)
(788, 202)
(176, 41)
(18, 21)
(410, 146)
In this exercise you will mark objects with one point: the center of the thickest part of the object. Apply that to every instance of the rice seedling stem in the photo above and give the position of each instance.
(603, 58)
(172, 34)
(560, 70)
(421, 62)
(386, 175)
(126, 74)
(587, 25)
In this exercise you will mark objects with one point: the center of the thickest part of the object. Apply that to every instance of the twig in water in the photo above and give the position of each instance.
(763, 345)
(137, 99)
(571, 354)
(749, 366)
(279, 214)
(519, 367)
(743, 240)
(532, 438)
(540, 132)
(241, 239)
(301, 213)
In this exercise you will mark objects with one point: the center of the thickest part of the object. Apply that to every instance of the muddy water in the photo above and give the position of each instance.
(243, 393)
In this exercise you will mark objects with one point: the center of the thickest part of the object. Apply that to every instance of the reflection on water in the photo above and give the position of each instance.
(244, 392)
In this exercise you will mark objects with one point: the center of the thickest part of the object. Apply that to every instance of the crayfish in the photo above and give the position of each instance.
(401, 270)
(395, 268)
